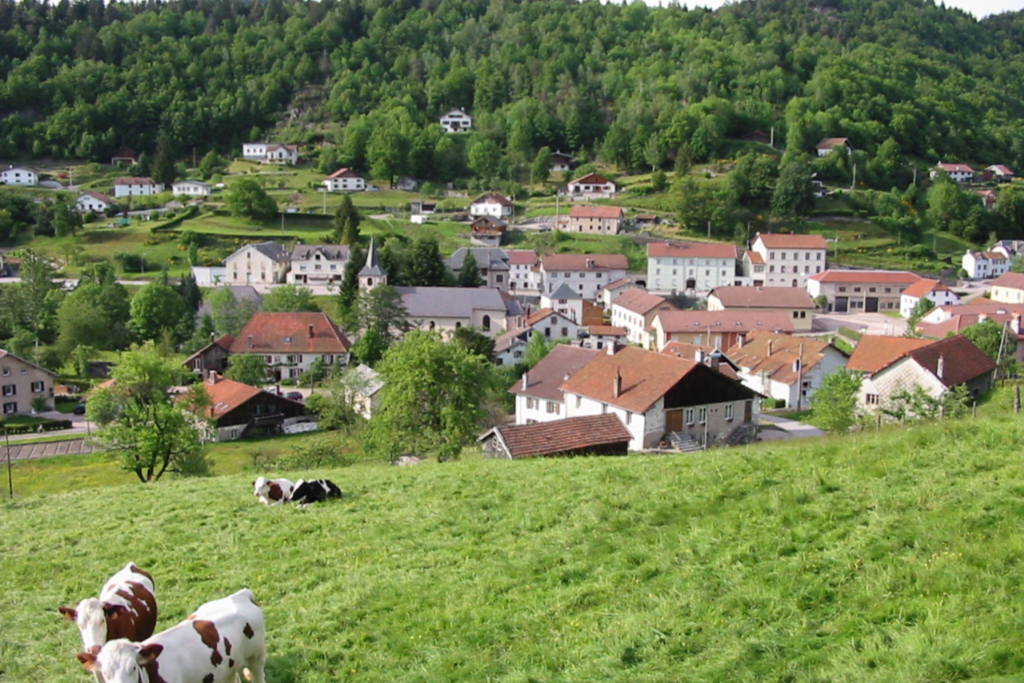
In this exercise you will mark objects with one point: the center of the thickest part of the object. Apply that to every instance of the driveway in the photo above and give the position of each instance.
(865, 323)
(787, 429)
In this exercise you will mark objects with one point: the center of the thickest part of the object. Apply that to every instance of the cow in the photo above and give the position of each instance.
(213, 645)
(273, 491)
(314, 491)
(126, 608)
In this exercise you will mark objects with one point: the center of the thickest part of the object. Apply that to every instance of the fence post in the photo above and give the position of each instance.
(1016, 398)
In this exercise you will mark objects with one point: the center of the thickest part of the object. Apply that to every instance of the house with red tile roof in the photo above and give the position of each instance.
(980, 265)
(591, 186)
(829, 145)
(523, 277)
(538, 392)
(716, 329)
(695, 266)
(586, 274)
(959, 173)
(595, 220)
(941, 314)
(1001, 173)
(588, 435)
(988, 198)
(713, 358)
(933, 290)
(660, 398)
(600, 336)
(790, 259)
(238, 410)
(290, 343)
(552, 325)
(1011, 322)
(491, 204)
(635, 310)
(861, 291)
(1008, 289)
(345, 180)
(785, 367)
(212, 358)
(613, 290)
(796, 303)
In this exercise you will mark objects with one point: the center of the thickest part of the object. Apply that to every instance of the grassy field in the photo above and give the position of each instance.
(889, 558)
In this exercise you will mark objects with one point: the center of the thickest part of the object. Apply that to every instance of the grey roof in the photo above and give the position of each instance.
(450, 302)
(335, 252)
(370, 378)
(241, 292)
(492, 259)
(564, 291)
(372, 267)
(505, 341)
(512, 306)
(271, 250)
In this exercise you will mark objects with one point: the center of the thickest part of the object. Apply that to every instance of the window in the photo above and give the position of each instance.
(688, 416)
(629, 417)
(783, 255)
(499, 278)
(487, 323)
(728, 411)
(871, 289)
(819, 255)
(771, 269)
(531, 403)
(287, 340)
(803, 314)
(771, 255)
(807, 256)
(38, 387)
(702, 414)
(10, 389)
(871, 399)
(842, 289)
(579, 401)
(782, 269)
(7, 371)
(10, 408)
(856, 289)
(795, 314)
(888, 290)
(553, 407)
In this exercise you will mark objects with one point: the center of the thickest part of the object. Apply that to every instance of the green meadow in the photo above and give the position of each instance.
(889, 557)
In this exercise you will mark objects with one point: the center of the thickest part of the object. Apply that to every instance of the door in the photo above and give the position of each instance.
(871, 304)
(674, 420)
(748, 411)
(691, 284)
(842, 304)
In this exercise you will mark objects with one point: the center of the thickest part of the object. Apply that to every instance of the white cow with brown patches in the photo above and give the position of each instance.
(220, 640)
(273, 491)
(126, 608)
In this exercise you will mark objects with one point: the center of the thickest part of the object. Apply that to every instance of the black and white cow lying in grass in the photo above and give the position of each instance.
(278, 491)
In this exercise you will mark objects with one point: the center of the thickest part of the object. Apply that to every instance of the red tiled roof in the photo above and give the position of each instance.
(590, 179)
(739, 322)
(999, 168)
(689, 352)
(772, 355)
(959, 323)
(955, 168)
(606, 331)
(924, 287)
(691, 250)
(763, 297)
(343, 173)
(755, 257)
(539, 315)
(639, 301)
(962, 361)
(573, 434)
(492, 198)
(522, 257)
(993, 255)
(592, 314)
(551, 262)
(646, 376)
(98, 195)
(545, 378)
(596, 212)
(890, 277)
(1010, 280)
(133, 181)
(779, 241)
(226, 395)
(621, 282)
(288, 333)
(874, 353)
(832, 143)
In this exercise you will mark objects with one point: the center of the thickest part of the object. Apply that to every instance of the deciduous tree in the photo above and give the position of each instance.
(247, 198)
(835, 401)
(247, 368)
(290, 298)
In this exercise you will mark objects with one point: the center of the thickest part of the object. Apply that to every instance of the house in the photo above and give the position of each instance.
(595, 220)
(407, 184)
(635, 310)
(589, 435)
(270, 153)
(658, 396)
(703, 354)
(136, 187)
(510, 347)
(613, 290)
(988, 198)
(523, 277)
(19, 176)
(784, 367)
(446, 309)
(646, 220)
(1009, 248)
(1013, 341)
(487, 231)
(754, 268)
(715, 329)
(21, 383)
(586, 274)
(290, 343)
(960, 173)
(591, 186)
(212, 358)
(829, 145)
(1001, 173)
(491, 204)
(239, 410)
(677, 266)
(493, 265)
(344, 180)
(861, 291)
(565, 300)
(1008, 288)
(933, 290)
(941, 314)
(264, 263)
(365, 385)
(318, 264)
(124, 155)
(981, 265)
(538, 393)
(418, 207)
(560, 162)
(796, 303)
(96, 202)
(242, 293)
(600, 336)
(456, 121)
(788, 259)
(190, 188)
(934, 366)
(552, 324)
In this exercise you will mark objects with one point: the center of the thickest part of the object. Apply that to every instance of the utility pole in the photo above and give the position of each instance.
(772, 143)
(853, 185)
(709, 229)
(800, 378)
(10, 477)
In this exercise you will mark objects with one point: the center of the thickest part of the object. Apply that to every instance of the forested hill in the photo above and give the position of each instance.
(638, 86)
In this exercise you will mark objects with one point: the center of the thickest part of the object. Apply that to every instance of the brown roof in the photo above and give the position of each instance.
(541, 314)
(755, 256)
(590, 179)
(999, 168)
(615, 284)
(522, 257)
(646, 377)
(1011, 280)
(607, 331)
(290, 333)
(223, 342)
(133, 181)
(993, 255)
(889, 277)
(592, 314)
(773, 355)
(924, 287)
(584, 262)
(595, 212)
(639, 301)
(988, 307)
(98, 195)
(873, 352)
(545, 378)
(777, 241)
(226, 395)
(689, 351)
(959, 323)
(955, 168)
(763, 297)
(962, 361)
(492, 198)
(572, 434)
(343, 173)
(832, 143)
(691, 250)
(741, 322)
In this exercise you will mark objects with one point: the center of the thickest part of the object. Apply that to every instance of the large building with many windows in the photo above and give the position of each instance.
(21, 383)
(690, 266)
(788, 260)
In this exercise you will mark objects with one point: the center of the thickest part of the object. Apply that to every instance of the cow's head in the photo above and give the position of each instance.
(259, 487)
(121, 661)
(91, 619)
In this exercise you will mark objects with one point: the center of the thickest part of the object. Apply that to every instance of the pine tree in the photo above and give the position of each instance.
(469, 276)
(348, 292)
(426, 266)
(163, 164)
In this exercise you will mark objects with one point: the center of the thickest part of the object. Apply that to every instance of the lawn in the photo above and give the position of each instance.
(890, 557)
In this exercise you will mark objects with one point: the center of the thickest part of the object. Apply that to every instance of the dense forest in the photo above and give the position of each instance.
(637, 86)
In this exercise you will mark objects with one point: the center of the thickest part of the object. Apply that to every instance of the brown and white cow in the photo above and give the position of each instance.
(126, 609)
(220, 640)
(273, 491)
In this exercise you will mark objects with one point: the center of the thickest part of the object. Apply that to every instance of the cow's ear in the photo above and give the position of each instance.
(148, 653)
(111, 610)
(88, 660)
(68, 613)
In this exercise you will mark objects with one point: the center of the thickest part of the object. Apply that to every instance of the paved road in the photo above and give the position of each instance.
(865, 323)
(790, 429)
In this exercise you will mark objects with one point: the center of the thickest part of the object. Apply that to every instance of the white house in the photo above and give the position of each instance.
(446, 309)
(677, 266)
(18, 176)
(586, 274)
(538, 394)
(552, 324)
(980, 265)
(271, 153)
(96, 202)
(190, 188)
(564, 300)
(829, 145)
(264, 264)
(136, 187)
(318, 264)
(1008, 289)
(209, 276)
(938, 293)
(1002, 174)
(591, 186)
(290, 343)
(635, 310)
(560, 162)
(960, 173)
(788, 259)
(523, 277)
(345, 180)
(456, 121)
(785, 367)
(491, 204)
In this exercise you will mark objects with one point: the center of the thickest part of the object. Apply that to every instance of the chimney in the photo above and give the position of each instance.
(1015, 323)
(526, 381)
(716, 360)
(310, 331)
(212, 377)
(611, 348)
(699, 356)
(249, 340)
(982, 317)
(213, 337)
(616, 384)
(940, 368)
(770, 346)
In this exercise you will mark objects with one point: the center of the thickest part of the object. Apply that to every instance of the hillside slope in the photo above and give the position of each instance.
(886, 557)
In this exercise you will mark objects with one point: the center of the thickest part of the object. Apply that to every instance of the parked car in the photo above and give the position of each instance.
(79, 408)
(294, 396)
